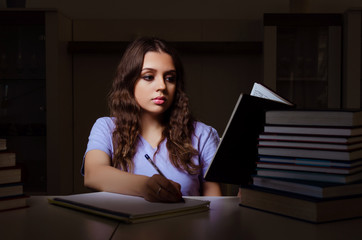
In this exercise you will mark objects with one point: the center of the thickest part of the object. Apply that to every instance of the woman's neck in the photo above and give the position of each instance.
(151, 129)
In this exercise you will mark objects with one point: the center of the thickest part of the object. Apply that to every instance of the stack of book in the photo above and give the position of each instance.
(11, 187)
(310, 165)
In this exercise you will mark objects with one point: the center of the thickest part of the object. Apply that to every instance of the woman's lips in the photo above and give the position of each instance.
(159, 100)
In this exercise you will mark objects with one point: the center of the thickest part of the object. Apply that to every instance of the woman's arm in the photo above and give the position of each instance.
(211, 189)
(100, 175)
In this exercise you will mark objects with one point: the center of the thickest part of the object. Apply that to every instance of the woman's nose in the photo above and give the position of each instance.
(160, 83)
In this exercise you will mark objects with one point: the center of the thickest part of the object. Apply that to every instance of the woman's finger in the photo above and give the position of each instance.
(163, 190)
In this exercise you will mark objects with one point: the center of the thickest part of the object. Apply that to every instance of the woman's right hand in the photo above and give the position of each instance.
(161, 189)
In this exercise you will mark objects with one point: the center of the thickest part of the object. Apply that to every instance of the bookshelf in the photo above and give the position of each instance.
(352, 58)
(36, 96)
(303, 58)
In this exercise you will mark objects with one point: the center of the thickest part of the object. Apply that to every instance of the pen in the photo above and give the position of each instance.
(154, 165)
(158, 170)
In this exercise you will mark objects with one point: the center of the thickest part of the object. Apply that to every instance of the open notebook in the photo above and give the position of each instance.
(129, 209)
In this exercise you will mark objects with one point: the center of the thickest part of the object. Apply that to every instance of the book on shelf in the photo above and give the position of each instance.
(341, 118)
(311, 153)
(301, 207)
(303, 130)
(309, 188)
(310, 145)
(234, 160)
(10, 174)
(7, 159)
(306, 168)
(309, 138)
(128, 209)
(310, 161)
(11, 189)
(313, 176)
(12, 203)
(3, 144)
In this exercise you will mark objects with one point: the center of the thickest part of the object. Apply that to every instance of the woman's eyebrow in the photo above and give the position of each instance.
(148, 69)
(152, 69)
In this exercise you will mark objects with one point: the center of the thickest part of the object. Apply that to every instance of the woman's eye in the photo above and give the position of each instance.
(170, 78)
(148, 77)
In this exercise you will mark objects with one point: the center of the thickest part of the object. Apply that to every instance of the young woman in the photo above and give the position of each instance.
(150, 116)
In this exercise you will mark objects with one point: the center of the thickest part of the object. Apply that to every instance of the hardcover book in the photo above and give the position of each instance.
(305, 130)
(3, 144)
(310, 138)
(301, 207)
(313, 176)
(11, 189)
(7, 159)
(298, 167)
(310, 161)
(312, 153)
(11, 203)
(310, 145)
(10, 175)
(235, 159)
(309, 188)
(340, 118)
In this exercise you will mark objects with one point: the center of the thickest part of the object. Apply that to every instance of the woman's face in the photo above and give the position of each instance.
(155, 89)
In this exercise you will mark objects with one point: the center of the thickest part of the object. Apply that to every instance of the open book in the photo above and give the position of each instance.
(259, 90)
(235, 159)
(129, 209)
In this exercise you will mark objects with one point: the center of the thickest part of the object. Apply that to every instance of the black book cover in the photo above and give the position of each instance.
(235, 159)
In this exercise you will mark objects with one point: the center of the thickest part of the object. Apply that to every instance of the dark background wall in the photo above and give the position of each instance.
(213, 81)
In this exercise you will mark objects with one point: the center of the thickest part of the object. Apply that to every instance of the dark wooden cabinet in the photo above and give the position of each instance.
(315, 60)
(36, 97)
(303, 58)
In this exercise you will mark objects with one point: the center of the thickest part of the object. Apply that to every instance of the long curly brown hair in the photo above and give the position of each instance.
(177, 120)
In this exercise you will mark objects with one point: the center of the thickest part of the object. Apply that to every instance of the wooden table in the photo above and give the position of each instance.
(226, 220)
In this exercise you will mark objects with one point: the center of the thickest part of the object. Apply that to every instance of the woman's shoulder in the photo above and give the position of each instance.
(202, 128)
(107, 120)
(104, 122)
(205, 138)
